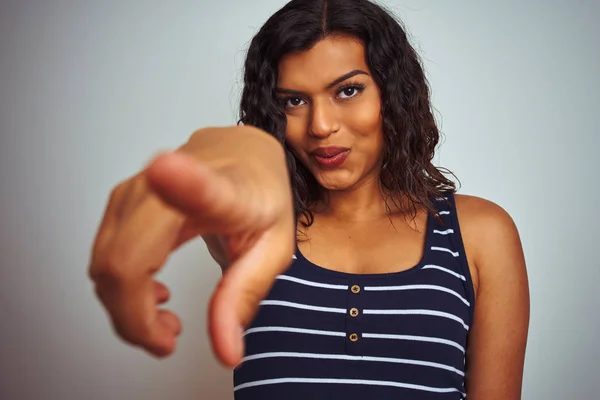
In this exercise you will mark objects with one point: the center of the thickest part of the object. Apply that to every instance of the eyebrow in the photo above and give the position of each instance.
(337, 81)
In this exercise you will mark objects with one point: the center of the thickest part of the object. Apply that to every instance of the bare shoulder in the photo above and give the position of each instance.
(489, 233)
(483, 219)
(498, 335)
(477, 211)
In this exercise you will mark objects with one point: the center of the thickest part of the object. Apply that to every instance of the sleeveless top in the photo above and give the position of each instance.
(324, 334)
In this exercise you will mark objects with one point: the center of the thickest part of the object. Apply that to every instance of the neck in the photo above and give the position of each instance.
(365, 202)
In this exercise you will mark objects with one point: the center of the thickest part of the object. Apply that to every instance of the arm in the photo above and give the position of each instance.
(497, 341)
(230, 183)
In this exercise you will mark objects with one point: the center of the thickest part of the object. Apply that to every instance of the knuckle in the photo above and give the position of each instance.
(117, 192)
(133, 331)
(102, 239)
(96, 272)
(124, 332)
(109, 270)
(101, 294)
(127, 187)
(137, 184)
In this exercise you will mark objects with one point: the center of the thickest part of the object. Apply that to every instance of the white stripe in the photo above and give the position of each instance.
(343, 334)
(293, 330)
(444, 212)
(310, 283)
(446, 270)
(446, 232)
(418, 287)
(418, 312)
(351, 358)
(455, 254)
(301, 306)
(413, 338)
(346, 381)
(294, 257)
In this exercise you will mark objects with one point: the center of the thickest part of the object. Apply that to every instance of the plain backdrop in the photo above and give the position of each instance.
(91, 90)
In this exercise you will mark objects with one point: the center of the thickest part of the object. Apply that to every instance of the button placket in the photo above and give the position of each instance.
(354, 317)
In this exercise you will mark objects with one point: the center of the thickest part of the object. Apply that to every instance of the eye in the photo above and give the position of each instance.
(350, 91)
(293, 102)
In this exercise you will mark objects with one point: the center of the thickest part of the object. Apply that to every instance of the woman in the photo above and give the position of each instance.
(397, 287)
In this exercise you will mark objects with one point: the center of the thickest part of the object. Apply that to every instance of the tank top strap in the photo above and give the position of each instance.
(444, 245)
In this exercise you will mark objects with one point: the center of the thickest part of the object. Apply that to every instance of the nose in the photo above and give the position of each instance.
(323, 121)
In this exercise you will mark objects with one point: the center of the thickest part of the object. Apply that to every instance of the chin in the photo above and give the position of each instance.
(337, 180)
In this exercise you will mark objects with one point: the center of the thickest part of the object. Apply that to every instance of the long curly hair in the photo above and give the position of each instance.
(409, 128)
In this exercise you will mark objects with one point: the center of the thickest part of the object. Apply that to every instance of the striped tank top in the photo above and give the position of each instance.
(324, 334)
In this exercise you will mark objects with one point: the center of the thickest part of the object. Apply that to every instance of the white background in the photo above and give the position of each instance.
(89, 91)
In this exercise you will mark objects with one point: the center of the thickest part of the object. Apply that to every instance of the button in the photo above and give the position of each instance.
(354, 312)
(355, 289)
(353, 337)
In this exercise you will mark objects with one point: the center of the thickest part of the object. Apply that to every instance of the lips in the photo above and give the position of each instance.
(328, 152)
(330, 157)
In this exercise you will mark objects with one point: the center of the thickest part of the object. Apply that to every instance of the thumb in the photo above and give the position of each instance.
(239, 293)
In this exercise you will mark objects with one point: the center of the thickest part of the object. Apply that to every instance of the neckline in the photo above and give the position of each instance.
(383, 275)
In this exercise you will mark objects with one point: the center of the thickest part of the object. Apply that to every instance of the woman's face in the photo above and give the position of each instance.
(333, 109)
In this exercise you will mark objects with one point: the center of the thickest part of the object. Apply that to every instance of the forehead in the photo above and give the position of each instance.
(327, 60)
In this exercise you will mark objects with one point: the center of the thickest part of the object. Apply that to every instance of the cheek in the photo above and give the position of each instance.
(366, 122)
(295, 134)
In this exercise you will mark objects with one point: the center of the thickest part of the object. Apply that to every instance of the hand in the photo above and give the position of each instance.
(230, 184)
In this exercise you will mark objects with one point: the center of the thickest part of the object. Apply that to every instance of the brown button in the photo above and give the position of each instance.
(355, 289)
(354, 312)
(353, 337)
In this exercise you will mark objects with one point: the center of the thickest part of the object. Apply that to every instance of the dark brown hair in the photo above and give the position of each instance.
(410, 131)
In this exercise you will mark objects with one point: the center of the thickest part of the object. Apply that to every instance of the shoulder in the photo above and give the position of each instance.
(477, 212)
(498, 334)
(489, 235)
